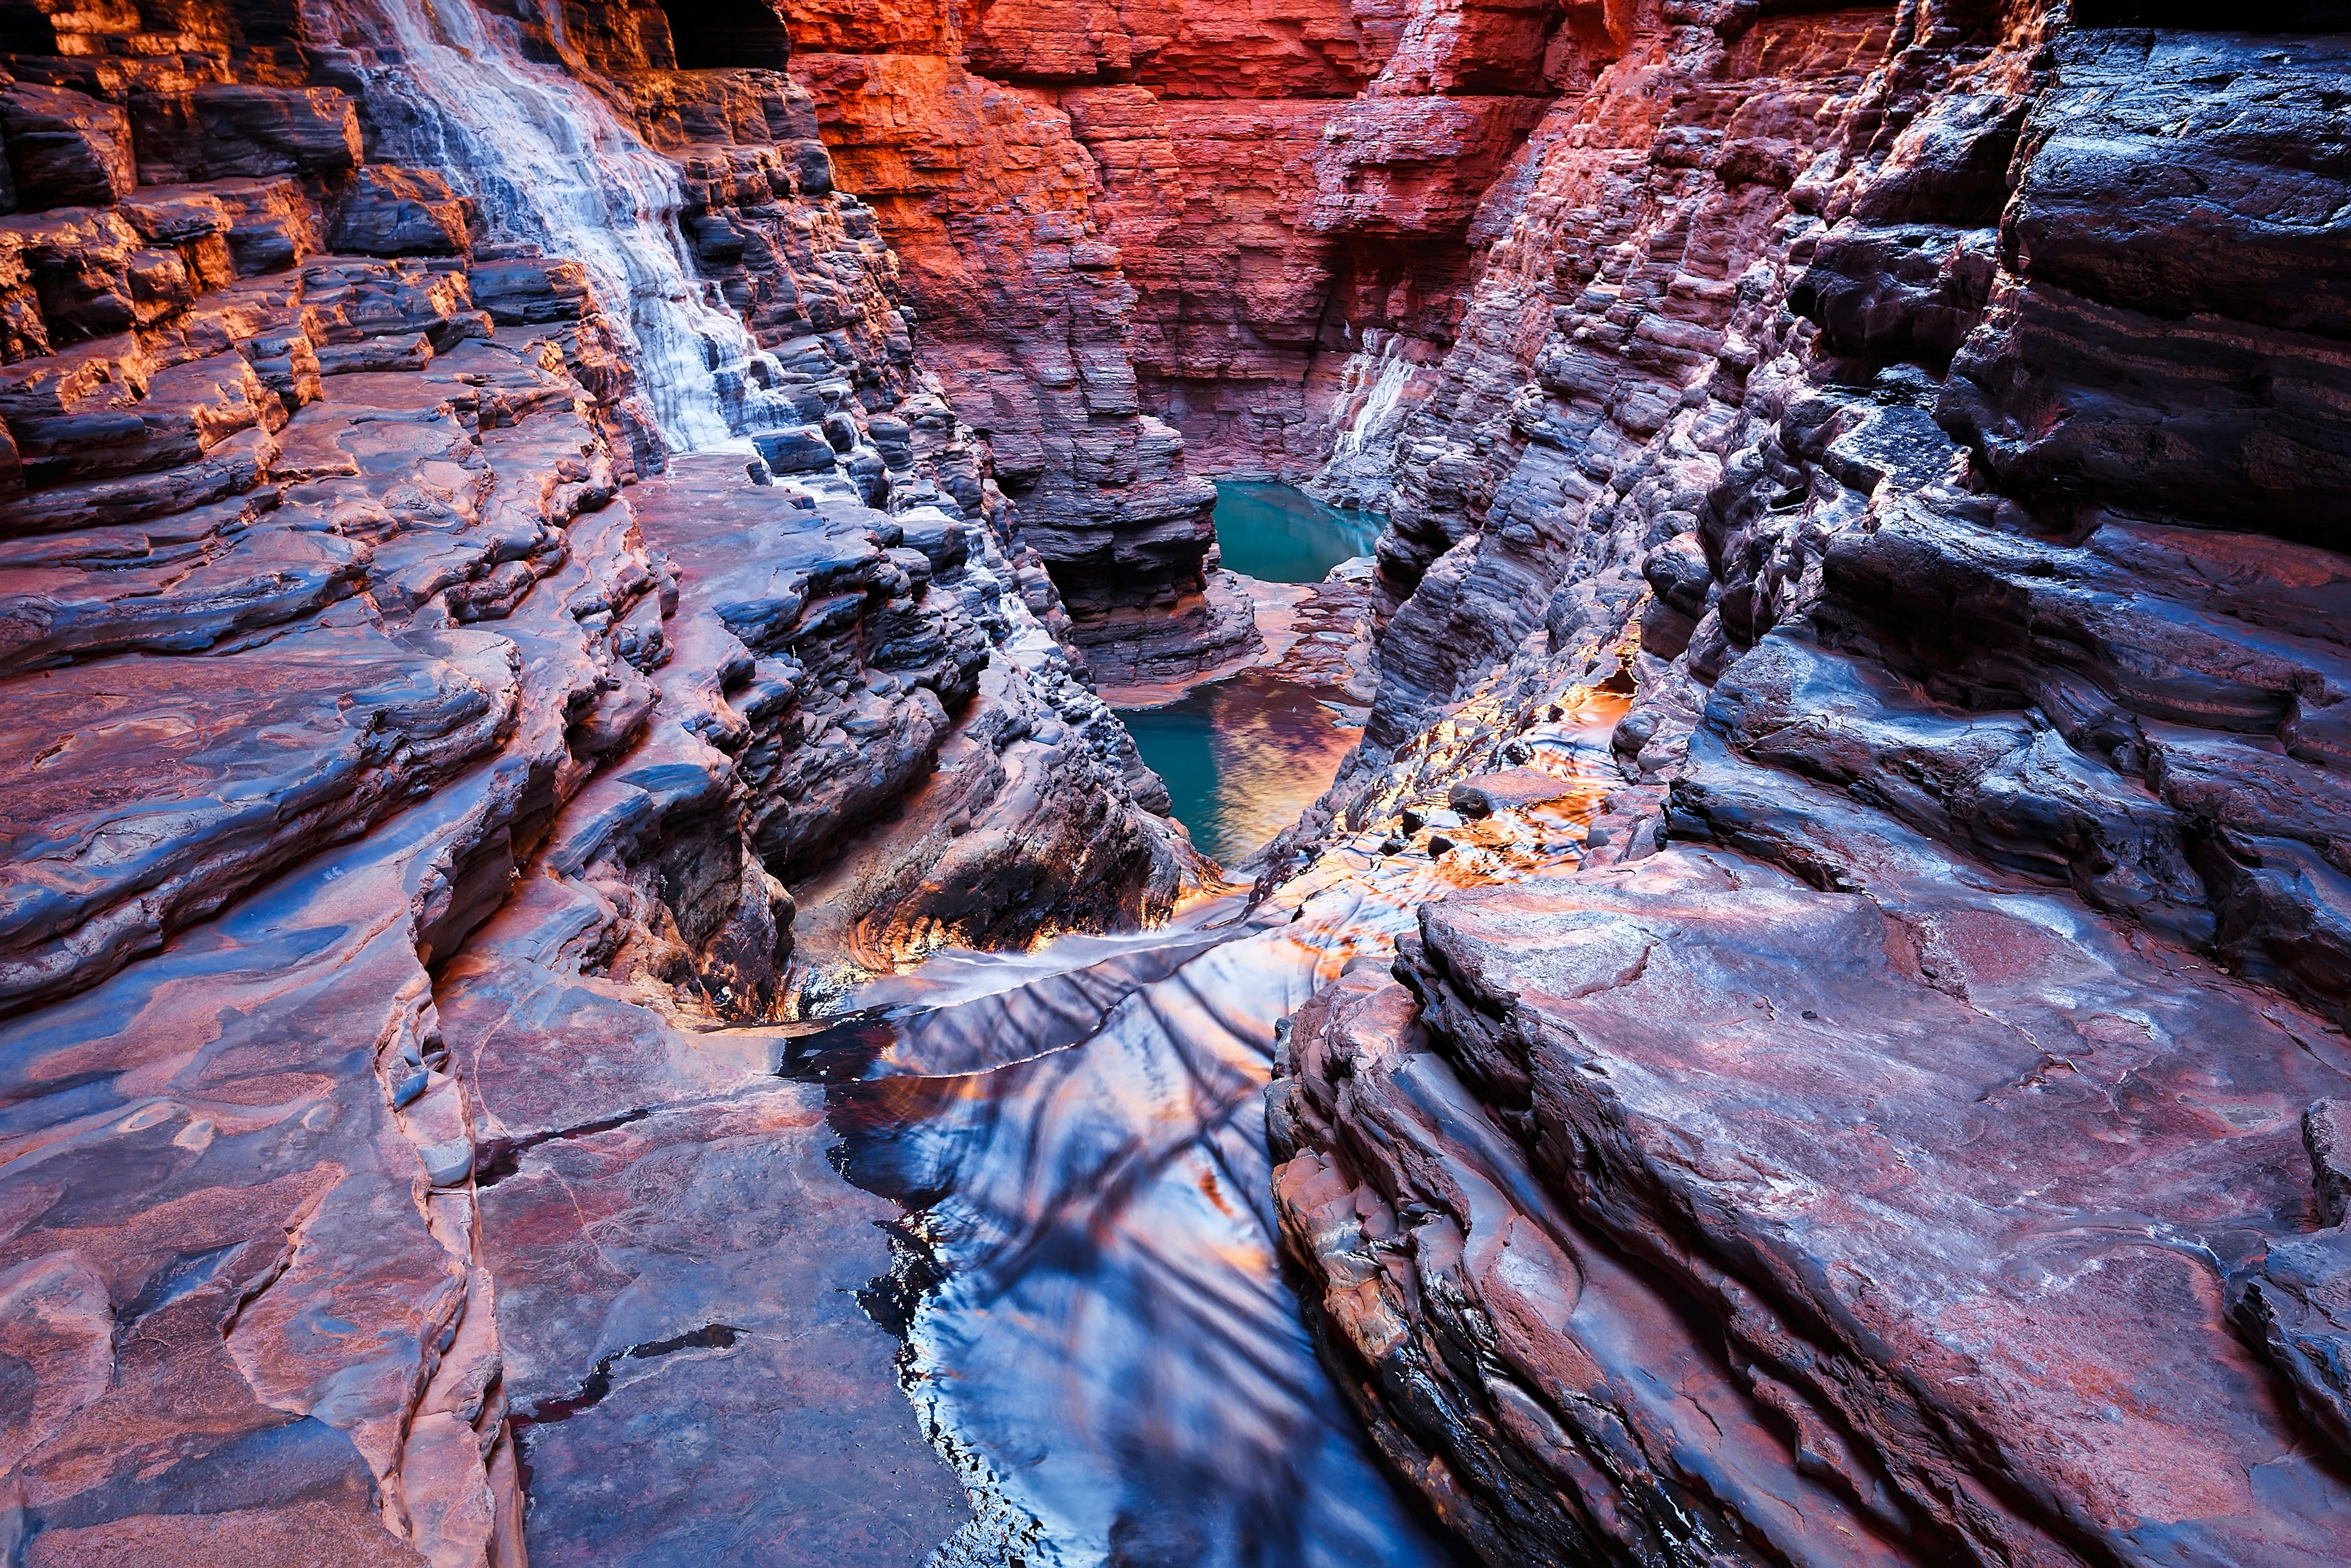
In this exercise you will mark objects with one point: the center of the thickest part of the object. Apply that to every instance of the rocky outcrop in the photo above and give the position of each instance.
(1633, 276)
(1911, 1136)
(433, 795)
(513, 604)
(983, 194)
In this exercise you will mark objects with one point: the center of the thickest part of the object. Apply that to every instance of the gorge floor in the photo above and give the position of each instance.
(1830, 947)
(1100, 1333)
(1243, 755)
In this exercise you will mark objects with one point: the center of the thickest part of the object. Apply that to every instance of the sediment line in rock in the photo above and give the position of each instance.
(411, 777)
(1907, 1138)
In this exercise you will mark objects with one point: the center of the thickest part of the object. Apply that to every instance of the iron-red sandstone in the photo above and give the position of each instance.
(1918, 1133)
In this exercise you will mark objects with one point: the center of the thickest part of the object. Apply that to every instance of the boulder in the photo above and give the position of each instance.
(802, 449)
(65, 148)
(530, 290)
(1508, 792)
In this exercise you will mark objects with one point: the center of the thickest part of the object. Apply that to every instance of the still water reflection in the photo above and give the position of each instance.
(1097, 1329)
(1108, 1346)
(1244, 757)
(1241, 758)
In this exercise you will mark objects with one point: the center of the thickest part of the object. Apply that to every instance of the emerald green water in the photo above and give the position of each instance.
(1276, 534)
(1243, 757)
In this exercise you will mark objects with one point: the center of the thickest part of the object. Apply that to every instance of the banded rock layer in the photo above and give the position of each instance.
(1171, 238)
(1913, 1137)
(413, 763)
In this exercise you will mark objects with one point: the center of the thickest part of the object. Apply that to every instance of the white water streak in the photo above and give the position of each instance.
(1380, 374)
(549, 164)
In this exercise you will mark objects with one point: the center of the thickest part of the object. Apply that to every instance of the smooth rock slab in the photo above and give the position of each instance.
(693, 1376)
(1950, 1170)
(148, 792)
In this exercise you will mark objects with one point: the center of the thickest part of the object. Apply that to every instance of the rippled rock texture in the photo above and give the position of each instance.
(429, 792)
(1915, 1133)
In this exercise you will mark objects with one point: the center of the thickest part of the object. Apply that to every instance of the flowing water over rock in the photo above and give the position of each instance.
(1099, 1329)
(552, 166)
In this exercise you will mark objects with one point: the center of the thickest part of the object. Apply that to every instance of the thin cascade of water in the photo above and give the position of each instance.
(1378, 376)
(551, 164)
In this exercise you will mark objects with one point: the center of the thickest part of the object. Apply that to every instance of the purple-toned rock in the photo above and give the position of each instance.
(1513, 790)
(802, 450)
(388, 829)
(230, 130)
(400, 212)
(530, 290)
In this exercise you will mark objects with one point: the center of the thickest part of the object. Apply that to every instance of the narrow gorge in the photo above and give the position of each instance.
(1302, 784)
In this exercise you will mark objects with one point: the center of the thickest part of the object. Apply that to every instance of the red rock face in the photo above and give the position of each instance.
(1258, 239)
(1917, 1135)
(1729, 1198)
(405, 782)
(984, 193)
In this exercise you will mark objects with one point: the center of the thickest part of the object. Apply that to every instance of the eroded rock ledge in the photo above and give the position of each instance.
(410, 779)
(1173, 239)
(1915, 1136)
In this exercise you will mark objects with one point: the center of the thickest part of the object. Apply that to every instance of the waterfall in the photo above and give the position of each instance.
(548, 163)
(1376, 381)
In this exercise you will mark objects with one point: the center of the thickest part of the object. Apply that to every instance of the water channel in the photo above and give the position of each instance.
(1100, 1333)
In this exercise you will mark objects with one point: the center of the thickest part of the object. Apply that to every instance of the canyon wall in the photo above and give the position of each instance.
(445, 781)
(1915, 1133)
(1166, 239)
(434, 786)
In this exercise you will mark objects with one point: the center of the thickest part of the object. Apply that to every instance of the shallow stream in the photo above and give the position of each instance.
(1100, 1333)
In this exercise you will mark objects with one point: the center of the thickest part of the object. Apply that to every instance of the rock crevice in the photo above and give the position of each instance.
(441, 789)
(1891, 1146)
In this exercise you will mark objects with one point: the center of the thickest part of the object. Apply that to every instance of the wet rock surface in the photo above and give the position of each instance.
(417, 757)
(1815, 1012)
(1910, 1136)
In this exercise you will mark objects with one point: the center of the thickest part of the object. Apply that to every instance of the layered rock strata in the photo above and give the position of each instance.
(1176, 237)
(984, 196)
(1914, 1135)
(411, 788)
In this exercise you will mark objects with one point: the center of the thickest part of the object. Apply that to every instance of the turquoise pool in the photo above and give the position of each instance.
(1241, 758)
(1276, 534)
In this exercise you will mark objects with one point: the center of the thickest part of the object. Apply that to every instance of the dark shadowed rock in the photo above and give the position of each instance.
(65, 149)
(400, 212)
(237, 131)
(799, 451)
(1970, 588)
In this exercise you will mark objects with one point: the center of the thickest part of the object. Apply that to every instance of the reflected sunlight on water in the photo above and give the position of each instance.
(1241, 758)
(1100, 1333)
